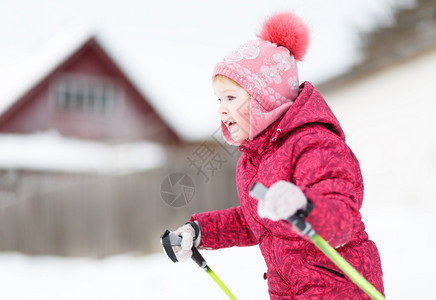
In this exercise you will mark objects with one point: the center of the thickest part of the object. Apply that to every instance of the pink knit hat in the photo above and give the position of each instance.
(266, 68)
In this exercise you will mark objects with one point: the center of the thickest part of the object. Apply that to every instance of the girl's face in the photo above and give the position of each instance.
(234, 108)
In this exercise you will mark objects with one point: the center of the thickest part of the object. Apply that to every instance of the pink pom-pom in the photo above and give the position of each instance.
(287, 30)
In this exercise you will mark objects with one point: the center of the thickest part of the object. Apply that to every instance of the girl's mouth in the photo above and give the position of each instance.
(229, 123)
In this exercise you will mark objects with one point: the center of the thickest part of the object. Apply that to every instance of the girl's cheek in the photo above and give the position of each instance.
(247, 113)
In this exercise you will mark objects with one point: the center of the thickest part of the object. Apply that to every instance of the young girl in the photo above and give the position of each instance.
(292, 143)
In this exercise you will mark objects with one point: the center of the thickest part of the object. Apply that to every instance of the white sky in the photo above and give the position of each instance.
(169, 48)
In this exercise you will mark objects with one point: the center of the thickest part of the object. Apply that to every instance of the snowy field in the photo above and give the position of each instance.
(131, 278)
(404, 240)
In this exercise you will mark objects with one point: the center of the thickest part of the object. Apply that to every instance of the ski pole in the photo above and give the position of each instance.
(169, 239)
(258, 191)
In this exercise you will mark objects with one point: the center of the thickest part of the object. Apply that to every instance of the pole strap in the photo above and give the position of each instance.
(166, 243)
(169, 239)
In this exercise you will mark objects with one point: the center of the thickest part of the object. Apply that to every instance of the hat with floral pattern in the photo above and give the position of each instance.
(266, 68)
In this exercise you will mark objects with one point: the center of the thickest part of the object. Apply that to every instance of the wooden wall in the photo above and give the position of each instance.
(99, 215)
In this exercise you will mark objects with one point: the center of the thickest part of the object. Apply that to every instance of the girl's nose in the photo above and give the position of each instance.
(222, 110)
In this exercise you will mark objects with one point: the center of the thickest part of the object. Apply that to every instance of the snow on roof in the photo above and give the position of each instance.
(37, 63)
(49, 151)
(40, 61)
(168, 98)
(175, 85)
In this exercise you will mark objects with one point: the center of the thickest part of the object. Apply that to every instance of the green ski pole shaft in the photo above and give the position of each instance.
(335, 257)
(258, 191)
(342, 264)
(201, 262)
(219, 282)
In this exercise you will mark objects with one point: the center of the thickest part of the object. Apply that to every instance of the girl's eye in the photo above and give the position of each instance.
(230, 98)
(218, 100)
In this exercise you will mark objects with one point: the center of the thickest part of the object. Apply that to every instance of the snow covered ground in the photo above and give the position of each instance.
(404, 240)
(131, 278)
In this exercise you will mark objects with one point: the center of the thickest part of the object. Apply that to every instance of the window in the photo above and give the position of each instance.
(91, 95)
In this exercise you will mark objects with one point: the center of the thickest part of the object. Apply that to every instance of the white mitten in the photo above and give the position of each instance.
(282, 200)
(189, 239)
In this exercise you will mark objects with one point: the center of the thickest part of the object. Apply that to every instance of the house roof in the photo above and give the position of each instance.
(37, 64)
(412, 33)
(43, 61)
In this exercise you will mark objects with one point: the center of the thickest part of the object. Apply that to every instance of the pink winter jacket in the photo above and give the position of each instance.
(307, 147)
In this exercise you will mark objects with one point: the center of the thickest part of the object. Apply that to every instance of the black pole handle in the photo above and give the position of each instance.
(198, 258)
(169, 239)
(301, 224)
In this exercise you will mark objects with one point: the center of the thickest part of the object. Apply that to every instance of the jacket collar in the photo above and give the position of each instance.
(309, 107)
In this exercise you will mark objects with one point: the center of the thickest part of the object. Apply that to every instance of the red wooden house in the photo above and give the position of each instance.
(52, 205)
(87, 96)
